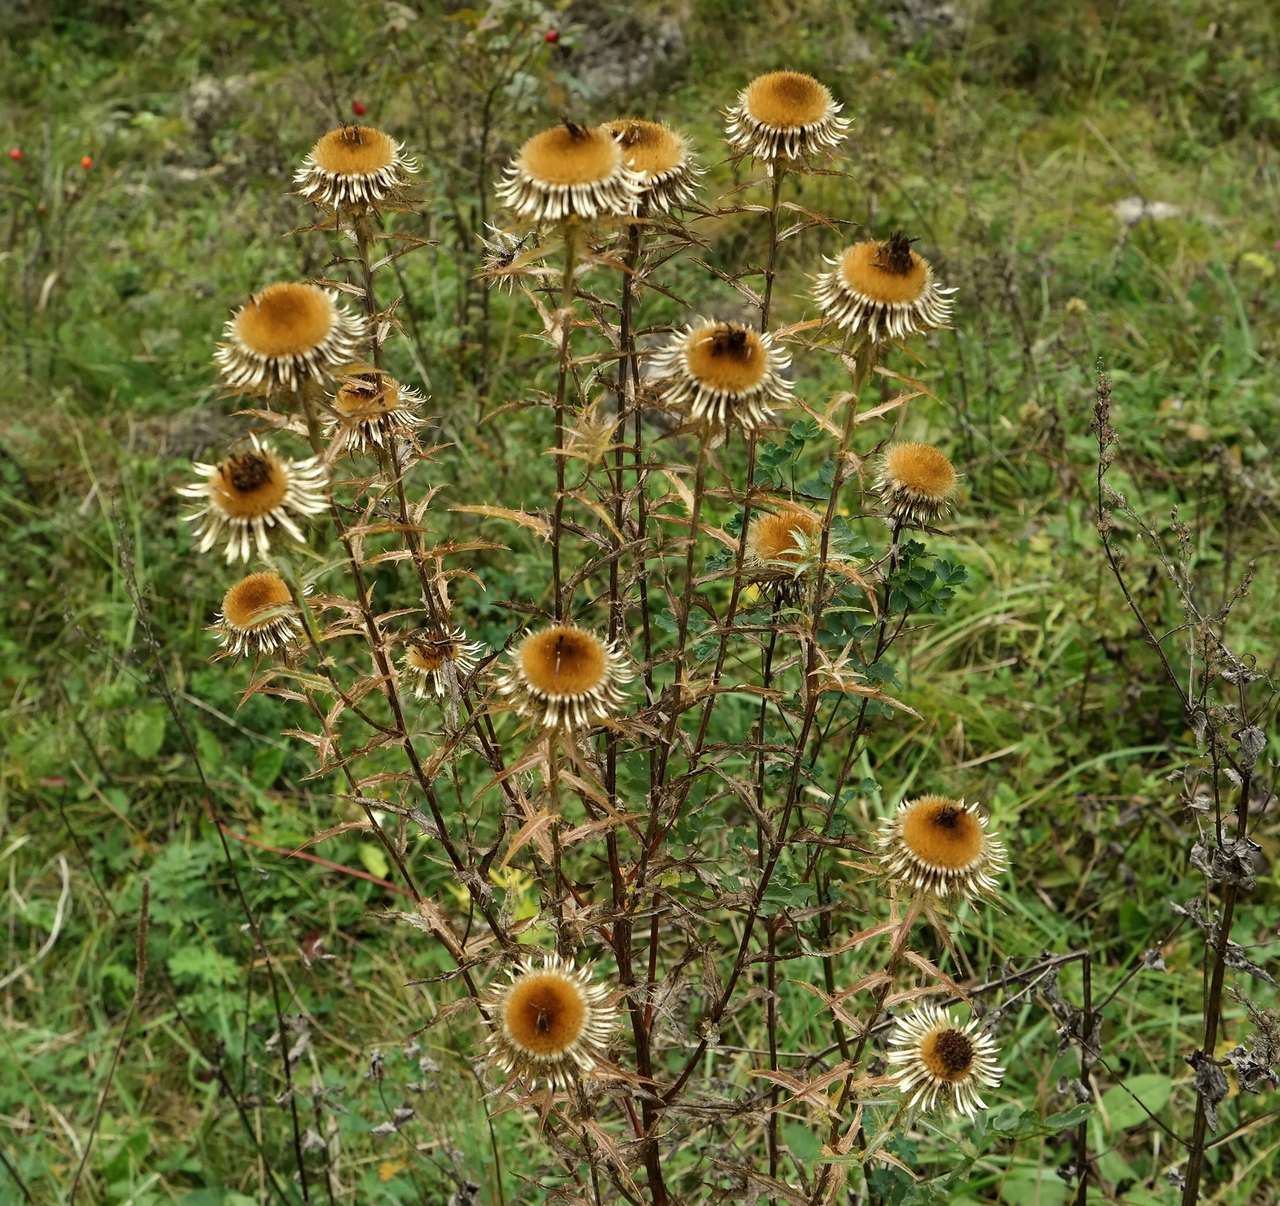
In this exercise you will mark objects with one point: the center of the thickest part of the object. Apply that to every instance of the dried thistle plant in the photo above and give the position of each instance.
(687, 853)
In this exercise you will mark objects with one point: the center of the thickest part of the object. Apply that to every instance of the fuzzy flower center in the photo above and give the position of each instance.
(948, 1054)
(727, 358)
(942, 833)
(244, 603)
(787, 100)
(647, 147)
(570, 154)
(367, 398)
(429, 656)
(774, 536)
(921, 469)
(545, 1013)
(889, 272)
(285, 320)
(354, 151)
(249, 485)
(563, 662)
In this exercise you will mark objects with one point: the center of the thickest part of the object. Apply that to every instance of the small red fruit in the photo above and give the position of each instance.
(358, 108)
(15, 154)
(87, 162)
(551, 37)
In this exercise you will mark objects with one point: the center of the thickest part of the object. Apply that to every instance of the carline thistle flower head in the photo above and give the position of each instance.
(884, 289)
(937, 1062)
(570, 171)
(661, 159)
(249, 494)
(286, 334)
(563, 676)
(940, 847)
(552, 1022)
(369, 409)
(785, 115)
(436, 661)
(723, 374)
(915, 482)
(257, 617)
(355, 166)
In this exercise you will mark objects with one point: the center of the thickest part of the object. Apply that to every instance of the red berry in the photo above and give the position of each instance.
(358, 108)
(15, 154)
(551, 37)
(87, 162)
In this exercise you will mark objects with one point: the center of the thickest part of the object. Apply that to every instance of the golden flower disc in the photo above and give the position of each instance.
(544, 1013)
(787, 99)
(354, 151)
(244, 605)
(942, 832)
(648, 147)
(249, 485)
(287, 319)
(885, 273)
(921, 469)
(570, 154)
(773, 537)
(948, 1054)
(564, 661)
(425, 657)
(727, 358)
(367, 398)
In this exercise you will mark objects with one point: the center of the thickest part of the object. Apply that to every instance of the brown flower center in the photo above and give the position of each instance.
(889, 273)
(922, 469)
(562, 661)
(773, 537)
(354, 151)
(249, 485)
(430, 655)
(942, 833)
(545, 1013)
(288, 319)
(948, 1054)
(244, 603)
(787, 100)
(647, 147)
(727, 358)
(570, 154)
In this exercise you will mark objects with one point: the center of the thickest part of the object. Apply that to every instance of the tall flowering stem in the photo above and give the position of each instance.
(562, 379)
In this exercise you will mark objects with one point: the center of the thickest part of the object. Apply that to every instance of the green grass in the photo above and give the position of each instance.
(1003, 144)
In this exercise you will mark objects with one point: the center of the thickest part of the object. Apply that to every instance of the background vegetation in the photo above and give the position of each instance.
(1098, 180)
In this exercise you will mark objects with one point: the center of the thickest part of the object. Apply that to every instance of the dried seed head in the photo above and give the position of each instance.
(723, 373)
(249, 493)
(370, 408)
(941, 847)
(883, 288)
(354, 166)
(915, 482)
(284, 335)
(257, 616)
(435, 662)
(939, 1062)
(566, 676)
(570, 171)
(660, 158)
(785, 115)
(551, 1023)
(772, 538)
